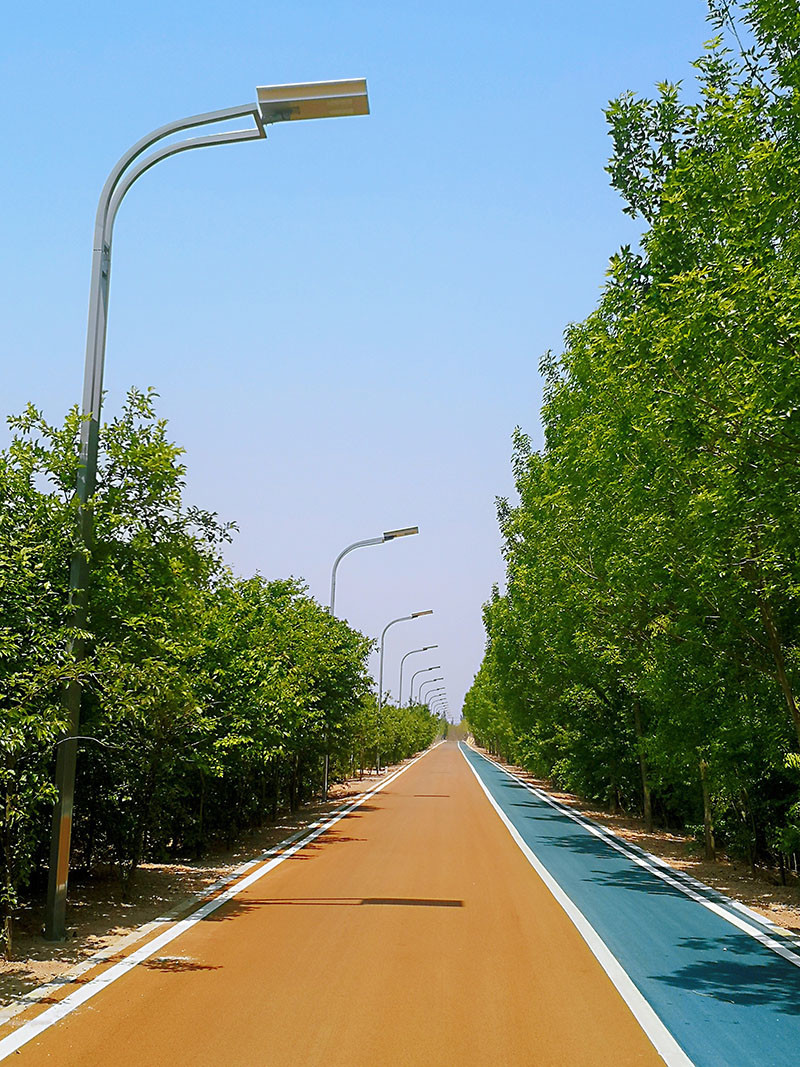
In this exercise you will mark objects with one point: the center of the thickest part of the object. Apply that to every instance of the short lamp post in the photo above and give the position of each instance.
(403, 618)
(274, 103)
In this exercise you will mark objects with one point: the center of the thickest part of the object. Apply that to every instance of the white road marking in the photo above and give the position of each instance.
(660, 870)
(31, 1029)
(660, 1037)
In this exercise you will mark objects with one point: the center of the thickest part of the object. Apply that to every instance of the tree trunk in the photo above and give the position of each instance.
(293, 787)
(8, 936)
(773, 638)
(647, 802)
(276, 796)
(201, 818)
(708, 826)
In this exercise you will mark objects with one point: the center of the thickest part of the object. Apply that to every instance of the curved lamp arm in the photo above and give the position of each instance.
(390, 535)
(413, 652)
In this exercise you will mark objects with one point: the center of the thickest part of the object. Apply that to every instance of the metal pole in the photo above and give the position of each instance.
(413, 652)
(340, 557)
(342, 554)
(118, 183)
(389, 535)
(422, 670)
(429, 681)
(403, 618)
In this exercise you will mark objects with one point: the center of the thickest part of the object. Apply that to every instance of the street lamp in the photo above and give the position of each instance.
(430, 681)
(425, 682)
(413, 652)
(274, 103)
(403, 618)
(422, 670)
(390, 535)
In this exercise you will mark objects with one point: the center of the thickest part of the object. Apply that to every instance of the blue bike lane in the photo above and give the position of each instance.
(703, 964)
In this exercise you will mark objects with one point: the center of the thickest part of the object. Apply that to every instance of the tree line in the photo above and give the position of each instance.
(209, 700)
(646, 649)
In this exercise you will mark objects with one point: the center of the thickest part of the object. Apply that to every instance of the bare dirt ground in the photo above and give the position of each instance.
(762, 892)
(100, 921)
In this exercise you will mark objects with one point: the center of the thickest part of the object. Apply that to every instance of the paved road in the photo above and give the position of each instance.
(414, 931)
(706, 967)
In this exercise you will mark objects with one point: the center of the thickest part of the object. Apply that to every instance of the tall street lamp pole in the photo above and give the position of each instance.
(413, 652)
(437, 705)
(274, 103)
(403, 618)
(430, 681)
(422, 670)
(390, 535)
(424, 682)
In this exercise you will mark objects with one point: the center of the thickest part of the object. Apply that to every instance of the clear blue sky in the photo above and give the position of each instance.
(344, 322)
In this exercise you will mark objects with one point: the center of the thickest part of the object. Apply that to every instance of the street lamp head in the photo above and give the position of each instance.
(313, 100)
(417, 614)
(427, 648)
(407, 531)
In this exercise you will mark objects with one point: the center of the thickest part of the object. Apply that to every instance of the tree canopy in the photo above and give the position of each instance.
(209, 700)
(646, 649)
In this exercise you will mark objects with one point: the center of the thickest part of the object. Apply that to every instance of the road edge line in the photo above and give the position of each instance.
(31, 1029)
(657, 1033)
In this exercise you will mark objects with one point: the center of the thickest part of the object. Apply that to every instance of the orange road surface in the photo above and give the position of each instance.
(413, 932)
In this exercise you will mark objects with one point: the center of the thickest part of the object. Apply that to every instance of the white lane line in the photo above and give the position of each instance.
(31, 1029)
(654, 866)
(660, 1037)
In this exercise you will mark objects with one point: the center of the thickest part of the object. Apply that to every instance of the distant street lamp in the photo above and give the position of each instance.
(390, 535)
(422, 670)
(413, 652)
(274, 103)
(403, 618)
(429, 681)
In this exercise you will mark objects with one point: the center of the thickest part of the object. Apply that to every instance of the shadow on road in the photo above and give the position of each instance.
(239, 907)
(178, 964)
(752, 980)
(731, 968)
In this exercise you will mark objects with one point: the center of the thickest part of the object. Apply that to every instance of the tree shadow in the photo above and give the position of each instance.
(737, 970)
(638, 880)
(235, 908)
